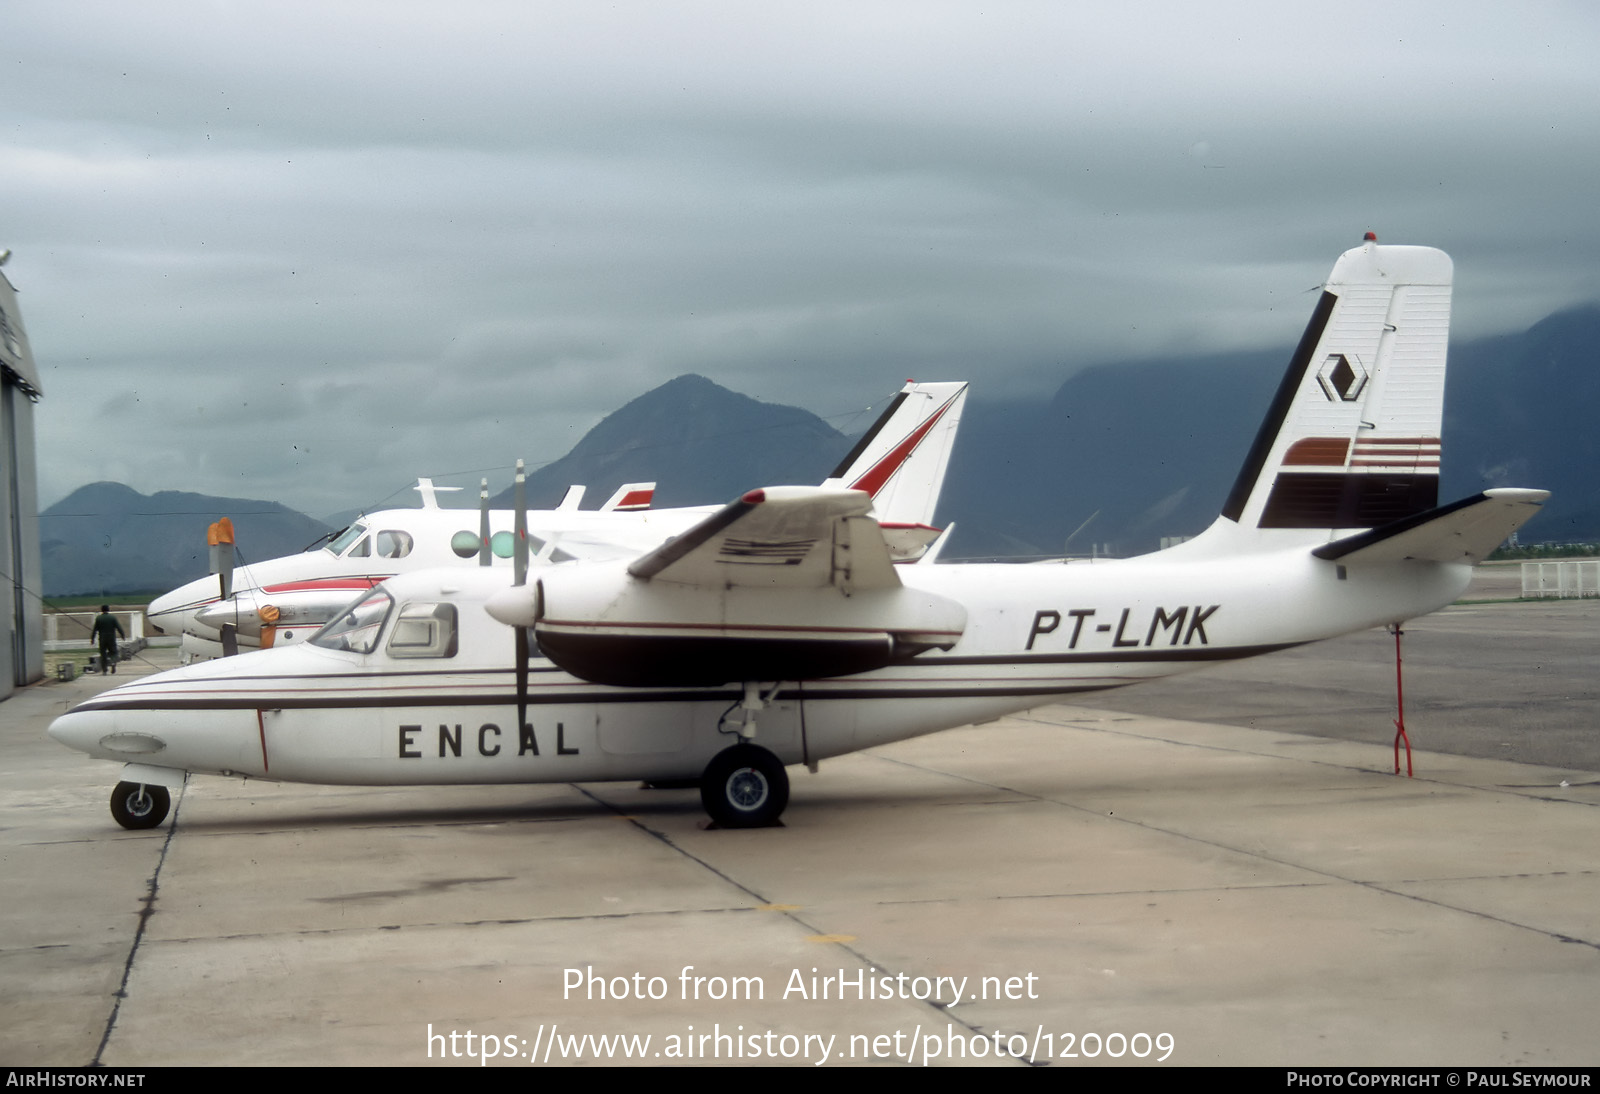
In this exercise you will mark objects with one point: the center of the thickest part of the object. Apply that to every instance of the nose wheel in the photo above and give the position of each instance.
(140, 805)
(744, 787)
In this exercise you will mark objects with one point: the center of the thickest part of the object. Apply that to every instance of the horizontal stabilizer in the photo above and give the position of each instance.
(1465, 531)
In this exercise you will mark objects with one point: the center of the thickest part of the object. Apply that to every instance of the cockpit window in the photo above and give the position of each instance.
(393, 544)
(346, 538)
(357, 627)
(424, 630)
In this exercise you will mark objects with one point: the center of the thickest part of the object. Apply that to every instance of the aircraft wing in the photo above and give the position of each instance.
(782, 537)
(787, 583)
(1465, 531)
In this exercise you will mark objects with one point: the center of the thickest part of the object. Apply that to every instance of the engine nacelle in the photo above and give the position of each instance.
(607, 627)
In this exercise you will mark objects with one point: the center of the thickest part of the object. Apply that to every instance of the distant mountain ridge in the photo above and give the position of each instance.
(106, 537)
(1122, 455)
(1143, 450)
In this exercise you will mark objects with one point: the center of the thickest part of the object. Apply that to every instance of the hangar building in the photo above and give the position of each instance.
(22, 636)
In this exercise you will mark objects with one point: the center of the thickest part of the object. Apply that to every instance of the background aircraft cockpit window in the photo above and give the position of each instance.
(360, 550)
(424, 630)
(357, 627)
(393, 544)
(346, 538)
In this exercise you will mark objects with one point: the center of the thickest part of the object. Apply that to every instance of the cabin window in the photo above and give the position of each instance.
(393, 544)
(424, 630)
(356, 629)
(504, 545)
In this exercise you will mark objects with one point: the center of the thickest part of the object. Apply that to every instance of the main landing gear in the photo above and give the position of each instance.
(140, 805)
(745, 786)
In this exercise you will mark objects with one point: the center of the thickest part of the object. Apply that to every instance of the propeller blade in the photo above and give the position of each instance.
(520, 572)
(219, 537)
(522, 678)
(485, 556)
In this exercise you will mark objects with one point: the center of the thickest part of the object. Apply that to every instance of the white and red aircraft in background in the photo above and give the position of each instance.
(900, 462)
(777, 631)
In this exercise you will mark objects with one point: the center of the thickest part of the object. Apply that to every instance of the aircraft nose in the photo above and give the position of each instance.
(75, 731)
(181, 601)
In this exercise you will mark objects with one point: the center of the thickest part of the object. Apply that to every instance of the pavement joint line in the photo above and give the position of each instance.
(230, 830)
(1374, 886)
(1513, 789)
(450, 924)
(153, 888)
(788, 913)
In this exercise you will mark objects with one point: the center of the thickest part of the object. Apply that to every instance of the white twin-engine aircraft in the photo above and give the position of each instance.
(777, 631)
(900, 462)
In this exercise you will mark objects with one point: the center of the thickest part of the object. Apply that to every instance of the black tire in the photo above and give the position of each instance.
(136, 805)
(744, 787)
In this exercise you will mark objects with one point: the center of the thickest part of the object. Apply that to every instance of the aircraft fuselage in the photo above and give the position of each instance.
(1034, 634)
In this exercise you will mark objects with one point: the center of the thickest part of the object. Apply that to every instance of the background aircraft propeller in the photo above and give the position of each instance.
(219, 538)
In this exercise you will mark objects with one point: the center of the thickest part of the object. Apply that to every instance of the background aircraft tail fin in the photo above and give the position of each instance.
(630, 497)
(901, 461)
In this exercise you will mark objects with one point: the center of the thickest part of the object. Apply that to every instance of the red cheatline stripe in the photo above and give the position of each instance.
(352, 583)
(261, 724)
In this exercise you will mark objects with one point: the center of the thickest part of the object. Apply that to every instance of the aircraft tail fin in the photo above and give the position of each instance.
(1351, 441)
(901, 461)
(630, 497)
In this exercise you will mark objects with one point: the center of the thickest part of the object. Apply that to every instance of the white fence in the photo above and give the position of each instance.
(1561, 578)
(71, 630)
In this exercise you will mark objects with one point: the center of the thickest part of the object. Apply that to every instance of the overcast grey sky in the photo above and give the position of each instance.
(310, 251)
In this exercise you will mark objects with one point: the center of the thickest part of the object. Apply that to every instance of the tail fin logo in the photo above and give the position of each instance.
(1341, 378)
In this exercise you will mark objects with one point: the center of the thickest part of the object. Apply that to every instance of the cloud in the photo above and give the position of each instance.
(309, 252)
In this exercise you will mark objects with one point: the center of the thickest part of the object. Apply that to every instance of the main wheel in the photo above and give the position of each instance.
(140, 805)
(744, 787)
